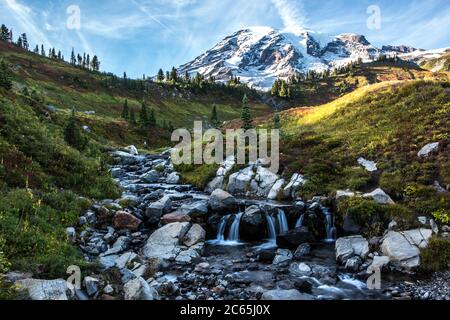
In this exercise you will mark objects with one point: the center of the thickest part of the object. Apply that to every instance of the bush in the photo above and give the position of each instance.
(197, 175)
(442, 216)
(436, 256)
(33, 231)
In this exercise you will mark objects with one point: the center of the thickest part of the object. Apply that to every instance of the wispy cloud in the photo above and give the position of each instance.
(292, 12)
(24, 16)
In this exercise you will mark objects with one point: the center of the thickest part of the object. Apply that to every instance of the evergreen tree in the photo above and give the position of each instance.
(10, 40)
(132, 119)
(143, 116)
(167, 76)
(126, 111)
(152, 118)
(95, 63)
(36, 50)
(283, 90)
(25, 44)
(4, 33)
(73, 134)
(174, 75)
(214, 117)
(5, 79)
(276, 121)
(73, 59)
(246, 116)
(160, 76)
(42, 50)
(20, 42)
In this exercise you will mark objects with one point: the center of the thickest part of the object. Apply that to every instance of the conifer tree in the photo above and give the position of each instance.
(174, 75)
(246, 116)
(276, 121)
(4, 33)
(36, 50)
(73, 60)
(25, 44)
(126, 111)
(214, 117)
(152, 118)
(143, 116)
(73, 134)
(5, 79)
(42, 50)
(160, 76)
(132, 116)
(20, 42)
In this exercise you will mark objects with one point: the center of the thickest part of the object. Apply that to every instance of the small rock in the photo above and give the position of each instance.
(302, 251)
(125, 220)
(92, 285)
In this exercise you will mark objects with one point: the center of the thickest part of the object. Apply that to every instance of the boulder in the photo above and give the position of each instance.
(275, 190)
(302, 251)
(157, 209)
(428, 149)
(378, 263)
(222, 202)
(344, 194)
(285, 295)
(350, 226)
(44, 290)
(297, 181)
(187, 257)
(216, 183)
(379, 196)
(150, 177)
(139, 289)
(126, 158)
(350, 247)
(125, 220)
(353, 264)
(263, 182)
(293, 238)
(196, 209)
(173, 178)
(164, 243)
(92, 285)
(117, 173)
(282, 256)
(196, 234)
(125, 259)
(370, 166)
(177, 216)
(132, 150)
(253, 224)
(239, 182)
(403, 248)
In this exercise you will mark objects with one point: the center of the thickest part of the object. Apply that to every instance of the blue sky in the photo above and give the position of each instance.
(140, 36)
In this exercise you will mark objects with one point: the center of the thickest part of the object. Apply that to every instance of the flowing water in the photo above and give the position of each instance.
(329, 225)
(234, 230)
(299, 223)
(282, 222)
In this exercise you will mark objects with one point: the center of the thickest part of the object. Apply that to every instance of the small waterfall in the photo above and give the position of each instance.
(282, 222)
(299, 223)
(234, 231)
(271, 228)
(329, 225)
(221, 228)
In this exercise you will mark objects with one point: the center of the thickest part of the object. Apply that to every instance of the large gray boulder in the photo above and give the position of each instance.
(350, 247)
(151, 177)
(403, 248)
(263, 182)
(275, 190)
(139, 289)
(253, 224)
(47, 289)
(379, 196)
(164, 243)
(157, 209)
(428, 149)
(126, 158)
(239, 182)
(285, 295)
(297, 181)
(221, 201)
(196, 234)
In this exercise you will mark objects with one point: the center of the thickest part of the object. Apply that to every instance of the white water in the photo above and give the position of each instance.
(282, 222)
(352, 281)
(329, 225)
(221, 228)
(299, 223)
(234, 230)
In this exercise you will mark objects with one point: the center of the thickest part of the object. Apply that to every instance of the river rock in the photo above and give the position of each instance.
(125, 259)
(177, 216)
(282, 256)
(263, 182)
(196, 209)
(379, 196)
(187, 257)
(349, 247)
(353, 264)
(403, 248)
(132, 150)
(92, 285)
(196, 234)
(302, 251)
(151, 177)
(379, 263)
(164, 243)
(293, 238)
(125, 220)
(139, 289)
(253, 224)
(157, 209)
(222, 202)
(285, 295)
(126, 158)
(44, 290)
(276, 189)
(173, 178)
(428, 149)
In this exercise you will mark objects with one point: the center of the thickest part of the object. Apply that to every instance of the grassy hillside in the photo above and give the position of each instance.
(67, 87)
(440, 64)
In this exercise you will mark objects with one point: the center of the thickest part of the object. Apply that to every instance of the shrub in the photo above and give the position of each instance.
(437, 255)
(442, 216)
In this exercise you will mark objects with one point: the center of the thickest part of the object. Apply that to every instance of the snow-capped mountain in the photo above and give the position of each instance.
(260, 55)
